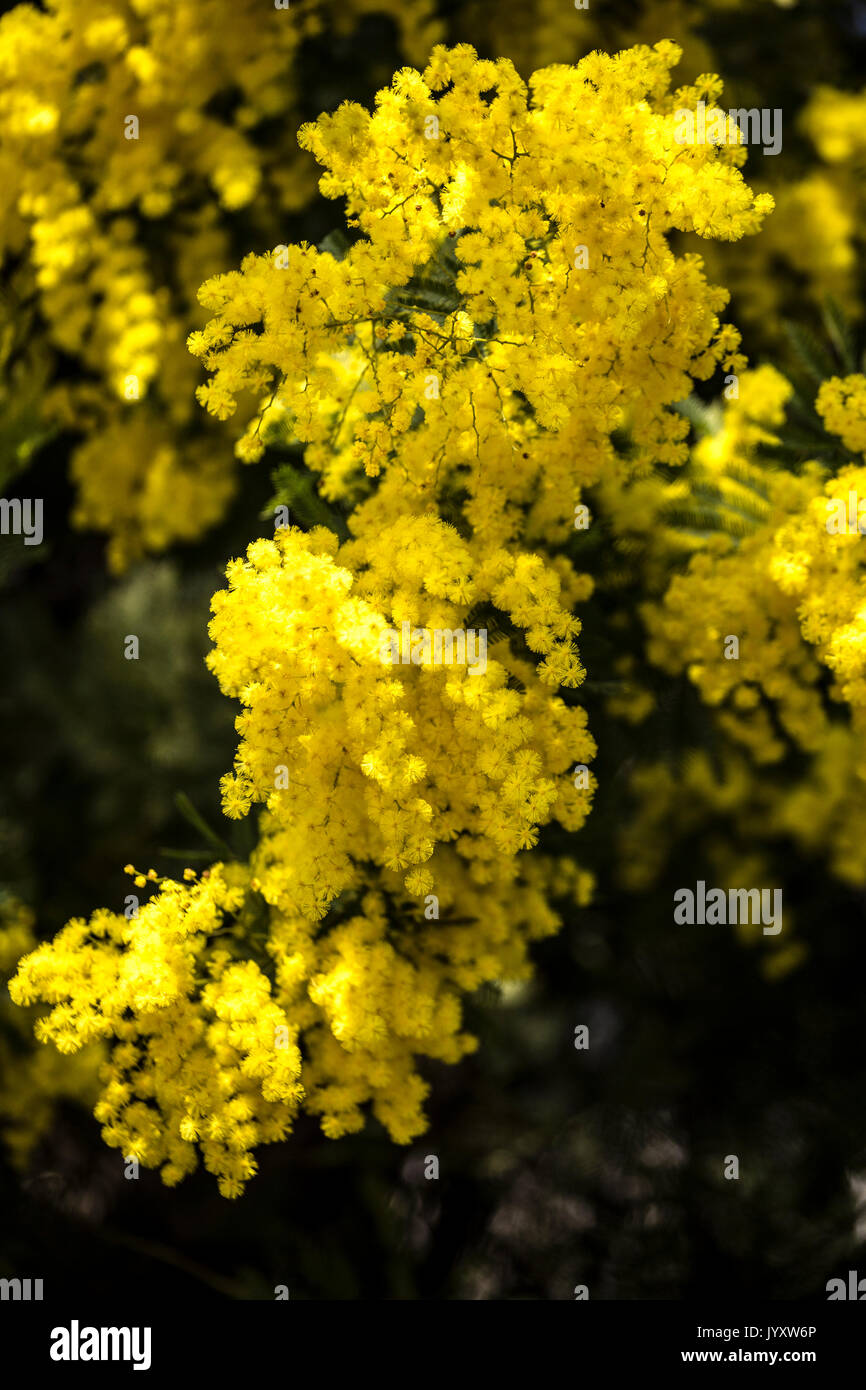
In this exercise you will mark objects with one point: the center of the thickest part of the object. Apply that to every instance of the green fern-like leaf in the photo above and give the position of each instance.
(810, 353)
(295, 489)
(841, 333)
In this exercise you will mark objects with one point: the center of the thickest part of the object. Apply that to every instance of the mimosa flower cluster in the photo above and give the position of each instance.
(133, 136)
(33, 1080)
(105, 237)
(814, 247)
(454, 381)
(793, 591)
(384, 763)
(563, 289)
